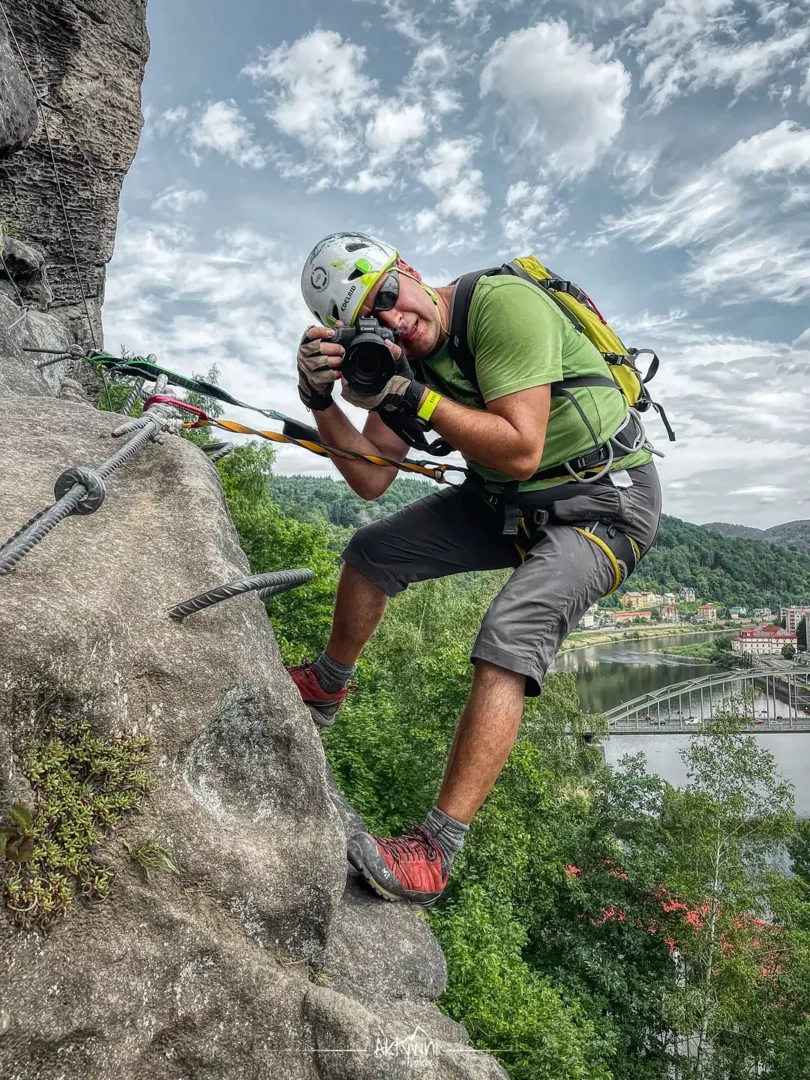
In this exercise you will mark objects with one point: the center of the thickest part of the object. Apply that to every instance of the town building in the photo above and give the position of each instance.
(763, 641)
(738, 612)
(709, 612)
(631, 616)
(633, 600)
(591, 617)
(669, 613)
(761, 613)
(793, 616)
(688, 595)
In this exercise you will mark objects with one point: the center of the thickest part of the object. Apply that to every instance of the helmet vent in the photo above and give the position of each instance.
(355, 245)
(335, 312)
(317, 316)
(355, 274)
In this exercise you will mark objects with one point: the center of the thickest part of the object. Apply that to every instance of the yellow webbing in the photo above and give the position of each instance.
(614, 562)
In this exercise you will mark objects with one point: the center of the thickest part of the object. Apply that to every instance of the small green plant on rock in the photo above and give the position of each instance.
(150, 855)
(84, 783)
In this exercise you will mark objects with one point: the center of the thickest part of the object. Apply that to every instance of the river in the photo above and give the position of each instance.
(609, 674)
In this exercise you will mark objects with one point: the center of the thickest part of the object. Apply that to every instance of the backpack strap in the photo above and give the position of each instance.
(459, 345)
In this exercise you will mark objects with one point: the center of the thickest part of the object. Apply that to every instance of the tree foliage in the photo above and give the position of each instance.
(598, 924)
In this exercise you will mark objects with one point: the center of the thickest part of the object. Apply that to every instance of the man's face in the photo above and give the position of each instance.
(414, 313)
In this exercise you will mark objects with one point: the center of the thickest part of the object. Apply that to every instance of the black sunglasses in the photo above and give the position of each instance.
(387, 294)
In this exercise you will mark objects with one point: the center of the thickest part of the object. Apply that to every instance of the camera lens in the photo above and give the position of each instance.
(367, 365)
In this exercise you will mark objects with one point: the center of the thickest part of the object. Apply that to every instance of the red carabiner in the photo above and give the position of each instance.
(164, 399)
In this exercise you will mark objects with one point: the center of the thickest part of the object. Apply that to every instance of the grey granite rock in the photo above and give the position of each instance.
(24, 267)
(88, 58)
(256, 961)
(18, 105)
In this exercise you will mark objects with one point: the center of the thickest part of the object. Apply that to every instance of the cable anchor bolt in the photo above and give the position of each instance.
(90, 480)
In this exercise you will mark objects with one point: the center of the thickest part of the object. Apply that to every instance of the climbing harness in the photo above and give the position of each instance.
(267, 585)
(81, 490)
(622, 551)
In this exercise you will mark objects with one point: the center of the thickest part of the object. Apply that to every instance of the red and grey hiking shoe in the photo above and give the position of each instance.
(322, 705)
(404, 868)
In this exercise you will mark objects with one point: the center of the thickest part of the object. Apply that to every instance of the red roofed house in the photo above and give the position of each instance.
(631, 616)
(764, 640)
(709, 612)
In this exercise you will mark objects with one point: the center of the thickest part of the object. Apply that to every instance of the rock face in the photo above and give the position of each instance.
(87, 59)
(18, 105)
(258, 958)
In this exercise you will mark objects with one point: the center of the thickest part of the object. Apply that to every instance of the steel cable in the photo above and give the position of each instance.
(271, 584)
(84, 495)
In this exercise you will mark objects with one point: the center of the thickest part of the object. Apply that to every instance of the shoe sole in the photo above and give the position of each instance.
(320, 719)
(395, 898)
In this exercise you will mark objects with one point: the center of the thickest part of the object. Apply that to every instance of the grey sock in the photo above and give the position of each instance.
(331, 675)
(447, 834)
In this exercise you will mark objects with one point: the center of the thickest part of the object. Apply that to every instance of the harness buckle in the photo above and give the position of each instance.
(541, 518)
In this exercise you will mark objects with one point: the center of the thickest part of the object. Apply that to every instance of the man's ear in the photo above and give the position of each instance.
(402, 265)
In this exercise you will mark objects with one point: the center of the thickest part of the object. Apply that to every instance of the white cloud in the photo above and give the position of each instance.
(635, 169)
(804, 91)
(395, 127)
(737, 405)
(736, 218)
(450, 174)
(532, 216)
(434, 67)
(688, 45)
(367, 180)
(563, 100)
(169, 120)
(315, 91)
(756, 264)
(223, 128)
(318, 93)
(178, 198)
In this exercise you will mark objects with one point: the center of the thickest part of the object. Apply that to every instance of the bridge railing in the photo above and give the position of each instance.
(700, 695)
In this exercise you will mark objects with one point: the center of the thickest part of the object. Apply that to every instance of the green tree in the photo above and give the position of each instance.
(724, 831)
(788, 652)
(302, 618)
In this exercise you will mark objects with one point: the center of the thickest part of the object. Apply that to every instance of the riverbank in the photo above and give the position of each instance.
(702, 651)
(584, 639)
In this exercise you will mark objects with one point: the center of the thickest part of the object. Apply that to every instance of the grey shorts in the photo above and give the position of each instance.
(453, 531)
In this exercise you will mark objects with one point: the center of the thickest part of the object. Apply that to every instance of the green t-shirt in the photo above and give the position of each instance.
(521, 339)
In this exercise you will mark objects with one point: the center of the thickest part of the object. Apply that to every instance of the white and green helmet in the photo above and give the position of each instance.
(340, 272)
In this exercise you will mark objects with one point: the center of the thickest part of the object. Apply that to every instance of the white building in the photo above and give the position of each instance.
(763, 641)
(793, 616)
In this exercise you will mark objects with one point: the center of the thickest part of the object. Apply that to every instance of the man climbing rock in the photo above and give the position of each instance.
(561, 487)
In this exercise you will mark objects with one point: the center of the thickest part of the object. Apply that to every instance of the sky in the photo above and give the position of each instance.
(657, 152)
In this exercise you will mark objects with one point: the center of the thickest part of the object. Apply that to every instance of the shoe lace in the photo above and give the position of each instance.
(410, 847)
(308, 667)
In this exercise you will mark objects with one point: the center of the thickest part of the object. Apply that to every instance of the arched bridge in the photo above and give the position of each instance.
(775, 701)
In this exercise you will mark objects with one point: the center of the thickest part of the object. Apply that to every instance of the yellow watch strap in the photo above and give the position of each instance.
(429, 405)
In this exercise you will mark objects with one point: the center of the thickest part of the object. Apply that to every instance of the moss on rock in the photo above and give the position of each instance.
(84, 783)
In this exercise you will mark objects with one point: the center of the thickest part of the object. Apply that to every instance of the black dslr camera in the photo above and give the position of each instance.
(367, 363)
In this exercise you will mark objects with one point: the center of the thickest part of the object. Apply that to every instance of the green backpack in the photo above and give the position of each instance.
(621, 373)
